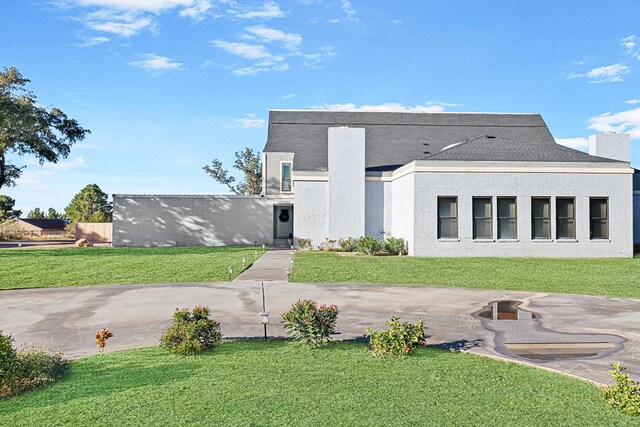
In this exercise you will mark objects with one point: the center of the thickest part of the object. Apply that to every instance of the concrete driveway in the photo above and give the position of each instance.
(68, 318)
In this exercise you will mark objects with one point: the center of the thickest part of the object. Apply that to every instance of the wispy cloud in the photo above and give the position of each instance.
(197, 11)
(269, 10)
(268, 35)
(349, 11)
(262, 59)
(93, 41)
(397, 21)
(251, 121)
(35, 173)
(156, 63)
(125, 24)
(606, 74)
(633, 101)
(630, 43)
(288, 96)
(385, 107)
(623, 122)
(579, 143)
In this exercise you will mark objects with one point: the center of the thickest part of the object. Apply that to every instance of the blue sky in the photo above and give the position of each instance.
(166, 86)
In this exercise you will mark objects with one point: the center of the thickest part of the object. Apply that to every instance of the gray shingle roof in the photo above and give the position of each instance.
(395, 139)
(45, 224)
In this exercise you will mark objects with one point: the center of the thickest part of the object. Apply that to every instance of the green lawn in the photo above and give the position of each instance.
(253, 383)
(41, 268)
(600, 276)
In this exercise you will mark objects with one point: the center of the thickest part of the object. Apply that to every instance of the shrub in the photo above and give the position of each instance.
(395, 246)
(191, 332)
(349, 244)
(399, 340)
(28, 368)
(309, 324)
(624, 395)
(328, 245)
(369, 245)
(101, 339)
(304, 243)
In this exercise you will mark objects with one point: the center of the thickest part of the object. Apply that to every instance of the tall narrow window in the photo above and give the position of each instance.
(286, 177)
(507, 218)
(565, 218)
(447, 217)
(599, 210)
(540, 218)
(482, 219)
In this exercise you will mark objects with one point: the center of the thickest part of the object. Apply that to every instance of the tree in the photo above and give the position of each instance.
(27, 128)
(36, 214)
(89, 205)
(6, 209)
(54, 214)
(249, 163)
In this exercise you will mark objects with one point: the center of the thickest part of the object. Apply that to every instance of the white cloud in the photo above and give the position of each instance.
(75, 163)
(321, 54)
(397, 21)
(334, 21)
(244, 50)
(268, 10)
(443, 104)
(290, 40)
(93, 41)
(630, 43)
(288, 96)
(33, 175)
(385, 107)
(156, 63)
(622, 122)
(579, 143)
(605, 74)
(348, 9)
(197, 11)
(633, 101)
(251, 121)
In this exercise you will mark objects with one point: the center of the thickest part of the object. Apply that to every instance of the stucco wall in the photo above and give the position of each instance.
(618, 187)
(311, 211)
(155, 220)
(271, 171)
(346, 182)
(403, 209)
(636, 218)
(378, 209)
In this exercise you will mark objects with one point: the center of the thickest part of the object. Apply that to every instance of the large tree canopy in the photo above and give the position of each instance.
(249, 163)
(6, 208)
(89, 205)
(27, 128)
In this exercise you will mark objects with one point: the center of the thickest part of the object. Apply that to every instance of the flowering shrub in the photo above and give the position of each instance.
(624, 395)
(400, 339)
(303, 243)
(101, 339)
(26, 369)
(395, 246)
(191, 332)
(309, 324)
(369, 245)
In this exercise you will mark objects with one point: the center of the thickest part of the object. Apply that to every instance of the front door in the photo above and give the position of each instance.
(283, 228)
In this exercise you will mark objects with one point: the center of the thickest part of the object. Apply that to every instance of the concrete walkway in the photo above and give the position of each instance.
(272, 265)
(68, 318)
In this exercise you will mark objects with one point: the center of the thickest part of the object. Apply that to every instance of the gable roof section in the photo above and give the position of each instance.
(45, 224)
(395, 139)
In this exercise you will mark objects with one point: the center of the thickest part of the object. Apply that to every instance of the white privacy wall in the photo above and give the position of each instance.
(311, 211)
(346, 161)
(154, 220)
(378, 209)
(636, 218)
(430, 185)
(403, 209)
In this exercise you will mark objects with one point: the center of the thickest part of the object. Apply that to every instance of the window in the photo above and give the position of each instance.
(599, 211)
(482, 220)
(285, 175)
(447, 217)
(507, 218)
(540, 218)
(565, 218)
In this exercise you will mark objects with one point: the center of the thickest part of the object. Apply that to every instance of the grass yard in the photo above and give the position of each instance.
(42, 268)
(599, 276)
(255, 383)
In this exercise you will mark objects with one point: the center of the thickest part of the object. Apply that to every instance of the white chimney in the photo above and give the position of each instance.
(611, 145)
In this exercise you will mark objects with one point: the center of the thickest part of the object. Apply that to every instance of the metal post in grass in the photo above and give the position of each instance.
(264, 314)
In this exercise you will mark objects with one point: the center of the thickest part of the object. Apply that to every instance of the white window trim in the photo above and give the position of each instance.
(290, 162)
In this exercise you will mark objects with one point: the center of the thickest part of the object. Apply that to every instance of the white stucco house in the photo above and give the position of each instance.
(450, 184)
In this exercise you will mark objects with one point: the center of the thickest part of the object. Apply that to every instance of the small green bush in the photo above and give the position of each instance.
(624, 395)
(309, 324)
(328, 245)
(191, 332)
(369, 245)
(304, 243)
(349, 244)
(395, 246)
(399, 340)
(28, 368)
